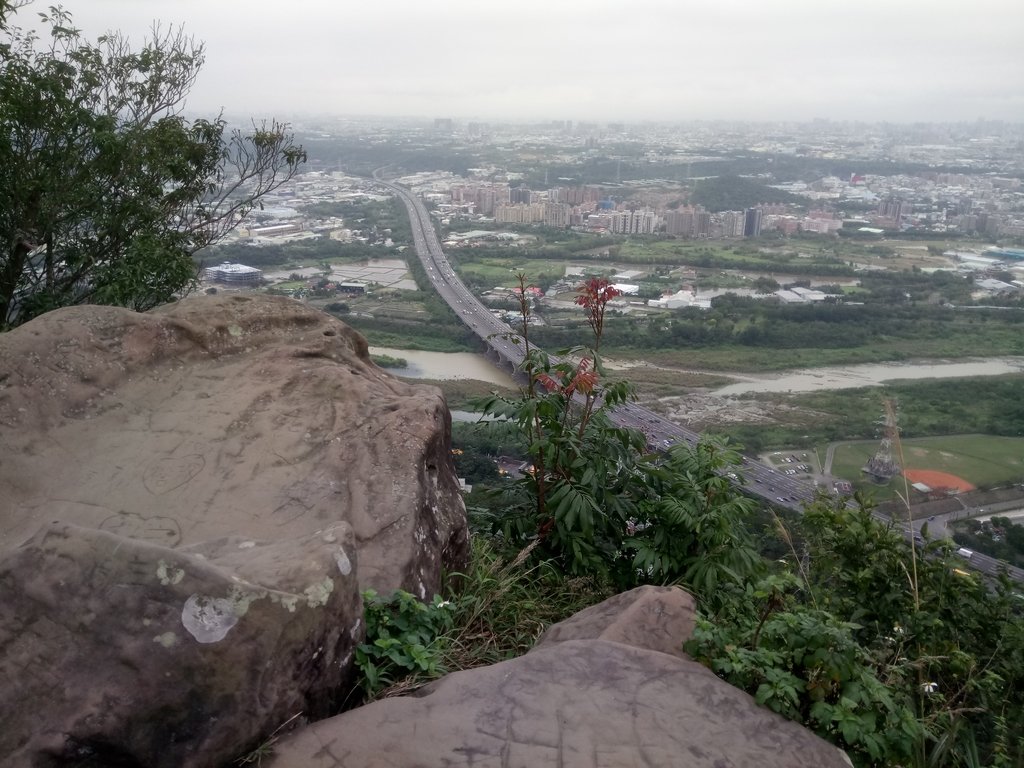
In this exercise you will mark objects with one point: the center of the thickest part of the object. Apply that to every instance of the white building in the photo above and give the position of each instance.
(681, 300)
(233, 273)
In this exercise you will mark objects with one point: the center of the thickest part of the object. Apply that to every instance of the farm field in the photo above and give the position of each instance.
(960, 341)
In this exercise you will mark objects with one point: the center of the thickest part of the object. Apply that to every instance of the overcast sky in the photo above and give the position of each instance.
(899, 60)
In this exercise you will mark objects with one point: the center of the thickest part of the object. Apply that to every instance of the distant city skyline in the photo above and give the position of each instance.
(791, 60)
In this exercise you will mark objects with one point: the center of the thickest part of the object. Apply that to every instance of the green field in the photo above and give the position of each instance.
(959, 340)
(982, 460)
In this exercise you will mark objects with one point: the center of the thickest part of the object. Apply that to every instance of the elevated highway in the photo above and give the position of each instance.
(503, 348)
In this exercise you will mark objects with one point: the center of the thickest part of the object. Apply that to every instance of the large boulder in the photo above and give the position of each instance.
(576, 699)
(121, 652)
(246, 443)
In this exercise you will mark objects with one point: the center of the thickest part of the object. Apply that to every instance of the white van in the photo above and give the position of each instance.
(967, 554)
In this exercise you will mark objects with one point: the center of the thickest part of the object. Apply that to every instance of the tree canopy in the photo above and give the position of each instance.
(731, 193)
(106, 191)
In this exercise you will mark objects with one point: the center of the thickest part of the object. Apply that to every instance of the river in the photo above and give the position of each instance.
(469, 365)
(445, 365)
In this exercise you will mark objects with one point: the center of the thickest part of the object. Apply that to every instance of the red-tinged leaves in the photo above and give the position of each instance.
(593, 296)
(585, 382)
(548, 382)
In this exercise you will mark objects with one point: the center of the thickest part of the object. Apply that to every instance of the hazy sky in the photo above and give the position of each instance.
(899, 60)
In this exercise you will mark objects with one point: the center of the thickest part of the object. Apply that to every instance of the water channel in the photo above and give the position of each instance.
(469, 365)
(445, 365)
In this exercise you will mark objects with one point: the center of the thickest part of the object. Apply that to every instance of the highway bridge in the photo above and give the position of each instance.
(504, 348)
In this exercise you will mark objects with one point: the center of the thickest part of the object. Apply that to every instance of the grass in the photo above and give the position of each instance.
(265, 750)
(927, 407)
(387, 361)
(502, 272)
(723, 255)
(958, 342)
(500, 608)
(658, 250)
(504, 605)
(289, 285)
(416, 338)
(652, 382)
(459, 392)
(982, 460)
(751, 359)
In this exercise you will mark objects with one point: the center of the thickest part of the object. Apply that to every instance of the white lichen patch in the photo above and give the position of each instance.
(247, 545)
(344, 564)
(208, 619)
(243, 598)
(167, 639)
(288, 602)
(235, 330)
(318, 594)
(168, 574)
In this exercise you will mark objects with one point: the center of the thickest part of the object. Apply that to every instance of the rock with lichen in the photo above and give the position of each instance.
(193, 499)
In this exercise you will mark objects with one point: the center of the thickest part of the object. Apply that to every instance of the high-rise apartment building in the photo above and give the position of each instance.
(520, 195)
(732, 224)
(519, 214)
(557, 214)
(643, 222)
(894, 209)
(702, 224)
(752, 222)
(679, 223)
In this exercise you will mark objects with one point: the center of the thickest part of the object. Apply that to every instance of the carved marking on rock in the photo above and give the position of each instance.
(290, 511)
(170, 472)
(160, 530)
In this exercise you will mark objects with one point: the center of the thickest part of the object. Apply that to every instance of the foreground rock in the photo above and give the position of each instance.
(569, 702)
(654, 618)
(200, 492)
(120, 652)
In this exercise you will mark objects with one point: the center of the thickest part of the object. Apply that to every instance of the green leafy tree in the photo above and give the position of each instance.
(899, 659)
(596, 500)
(105, 190)
(766, 285)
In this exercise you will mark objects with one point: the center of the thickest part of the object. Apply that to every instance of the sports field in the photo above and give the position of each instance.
(937, 480)
(980, 460)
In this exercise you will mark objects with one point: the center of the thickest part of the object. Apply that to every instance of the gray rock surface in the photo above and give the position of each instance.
(655, 618)
(221, 438)
(586, 703)
(116, 649)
